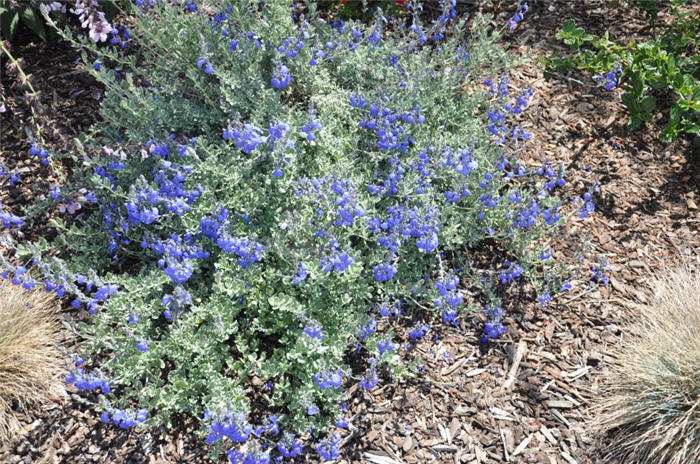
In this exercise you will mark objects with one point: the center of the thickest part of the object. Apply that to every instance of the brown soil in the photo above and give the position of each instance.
(526, 399)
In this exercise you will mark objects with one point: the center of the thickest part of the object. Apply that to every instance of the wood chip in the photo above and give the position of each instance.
(380, 459)
(561, 404)
(523, 444)
(548, 435)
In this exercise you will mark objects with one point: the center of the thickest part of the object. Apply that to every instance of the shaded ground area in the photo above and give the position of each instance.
(523, 400)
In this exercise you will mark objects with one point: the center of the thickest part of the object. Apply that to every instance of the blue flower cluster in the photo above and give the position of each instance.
(84, 381)
(385, 346)
(449, 298)
(493, 328)
(609, 79)
(175, 303)
(281, 77)
(310, 129)
(123, 419)
(288, 446)
(42, 153)
(176, 253)
(328, 448)
(418, 331)
(247, 136)
(388, 125)
(232, 425)
(332, 379)
(9, 219)
(402, 224)
(599, 272)
(384, 272)
(512, 271)
(313, 330)
(370, 379)
(518, 16)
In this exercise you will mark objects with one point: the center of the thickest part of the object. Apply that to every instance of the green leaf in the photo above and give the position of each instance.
(648, 103)
(284, 302)
(34, 22)
(634, 123)
(8, 24)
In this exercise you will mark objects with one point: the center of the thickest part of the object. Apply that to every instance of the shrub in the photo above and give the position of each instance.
(650, 406)
(30, 361)
(276, 199)
(665, 65)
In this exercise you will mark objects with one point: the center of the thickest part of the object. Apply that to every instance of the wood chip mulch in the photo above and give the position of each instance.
(526, 399)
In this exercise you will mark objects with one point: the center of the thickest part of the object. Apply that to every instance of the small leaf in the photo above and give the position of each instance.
(34, 22)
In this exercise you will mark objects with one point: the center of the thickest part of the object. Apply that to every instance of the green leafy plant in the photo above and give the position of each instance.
(272, 204)
(666, 65)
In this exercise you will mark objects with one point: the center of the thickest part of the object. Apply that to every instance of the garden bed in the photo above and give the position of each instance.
(523, 400)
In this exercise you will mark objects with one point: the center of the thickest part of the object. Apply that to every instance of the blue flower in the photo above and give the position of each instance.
(337, 262)
(84, 381)
(204, 63)
(313, 330)
(247, 136)
(142, 345)
(328, 380)
(281, 77)
(369, 380)
(311, 409)
(598, 272)
(249, 251)
(418, 331)
(289, 447)
(178, 271)
(232, 425)
(609, 79)
(544, 298)
(492, 330)
(384, 272)
(368, 329)
(328, 448)
(385, 346)
(449, 316)
(300, 275)
(512, 272)
(310, 129)
(342, 422)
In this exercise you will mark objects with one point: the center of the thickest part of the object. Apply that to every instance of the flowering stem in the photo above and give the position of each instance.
(34, 96)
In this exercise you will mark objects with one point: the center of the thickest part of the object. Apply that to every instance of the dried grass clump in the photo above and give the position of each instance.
(650, 409)
(30, 361)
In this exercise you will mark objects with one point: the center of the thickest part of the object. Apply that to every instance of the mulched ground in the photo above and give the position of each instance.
(526, 399)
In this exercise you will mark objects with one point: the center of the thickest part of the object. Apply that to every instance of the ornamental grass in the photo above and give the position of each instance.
(30, 361)
(650, 410)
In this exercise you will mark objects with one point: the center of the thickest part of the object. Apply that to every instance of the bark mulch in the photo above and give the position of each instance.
(525, 399)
